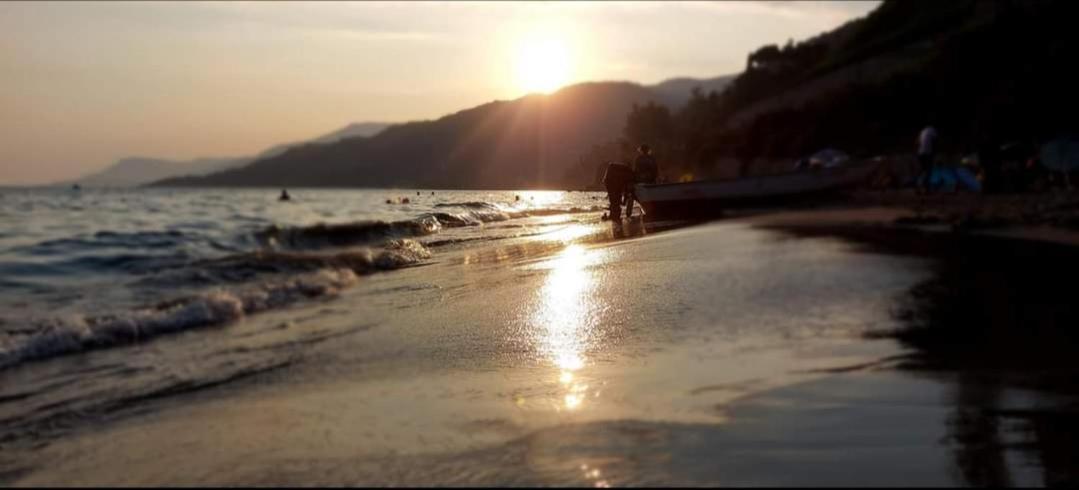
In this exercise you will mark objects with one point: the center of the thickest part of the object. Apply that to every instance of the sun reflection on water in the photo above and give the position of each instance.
(541, 199)
(566, 318)
(568, 234)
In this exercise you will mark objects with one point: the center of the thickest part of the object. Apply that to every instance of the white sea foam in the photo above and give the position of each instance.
(58, 336)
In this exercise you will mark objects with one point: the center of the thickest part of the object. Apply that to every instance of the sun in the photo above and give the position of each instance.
(543, 64)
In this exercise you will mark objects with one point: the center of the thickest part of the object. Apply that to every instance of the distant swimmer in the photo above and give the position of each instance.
(517, 198)
(284, 196)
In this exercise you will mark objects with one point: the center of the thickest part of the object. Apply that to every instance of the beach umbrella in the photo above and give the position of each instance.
(1061, 155)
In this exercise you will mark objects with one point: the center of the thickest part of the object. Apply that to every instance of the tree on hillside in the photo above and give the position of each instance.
(653, 124)
(763, 56)
(692, 126)
(650, 123)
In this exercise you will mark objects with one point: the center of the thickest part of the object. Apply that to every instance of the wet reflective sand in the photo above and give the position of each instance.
(719, 354)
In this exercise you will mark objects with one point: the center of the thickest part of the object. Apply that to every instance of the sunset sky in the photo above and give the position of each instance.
(87, 83)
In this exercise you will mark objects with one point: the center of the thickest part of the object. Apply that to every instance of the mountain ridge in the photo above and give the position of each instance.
(529, 142)
(139, 170)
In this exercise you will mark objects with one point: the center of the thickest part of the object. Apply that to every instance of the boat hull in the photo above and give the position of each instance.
(712, 198)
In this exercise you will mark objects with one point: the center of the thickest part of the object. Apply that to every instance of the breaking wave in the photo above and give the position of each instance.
(486, 212)
(314, 276)
(216, 272)
(323, 235)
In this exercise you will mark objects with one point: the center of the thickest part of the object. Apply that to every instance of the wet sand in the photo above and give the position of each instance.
(766, 350)
(940, 214)
(995, 319)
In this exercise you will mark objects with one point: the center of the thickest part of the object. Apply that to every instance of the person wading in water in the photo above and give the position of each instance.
(617, 179)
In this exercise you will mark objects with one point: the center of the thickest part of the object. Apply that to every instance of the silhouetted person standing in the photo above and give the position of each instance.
(645, 171)
(617, 179)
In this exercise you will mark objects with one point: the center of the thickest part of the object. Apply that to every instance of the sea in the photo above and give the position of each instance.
(92, 268)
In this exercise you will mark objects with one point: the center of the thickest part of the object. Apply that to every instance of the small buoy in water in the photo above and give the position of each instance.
(432, 193)
(389, 201)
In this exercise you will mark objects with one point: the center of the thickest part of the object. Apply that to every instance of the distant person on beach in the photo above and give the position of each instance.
(617, 179)
(927, 145)
(284, 196)
(645, 171)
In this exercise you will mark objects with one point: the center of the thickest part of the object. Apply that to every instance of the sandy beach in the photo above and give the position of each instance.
(760, 350)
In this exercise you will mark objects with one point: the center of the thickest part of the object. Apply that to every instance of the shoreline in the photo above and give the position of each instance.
(509, 366)
(1047, 217)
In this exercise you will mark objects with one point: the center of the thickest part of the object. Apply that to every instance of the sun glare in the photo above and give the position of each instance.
(543, 64)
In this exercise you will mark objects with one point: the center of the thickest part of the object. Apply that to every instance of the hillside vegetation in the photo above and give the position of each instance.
(980, 71)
